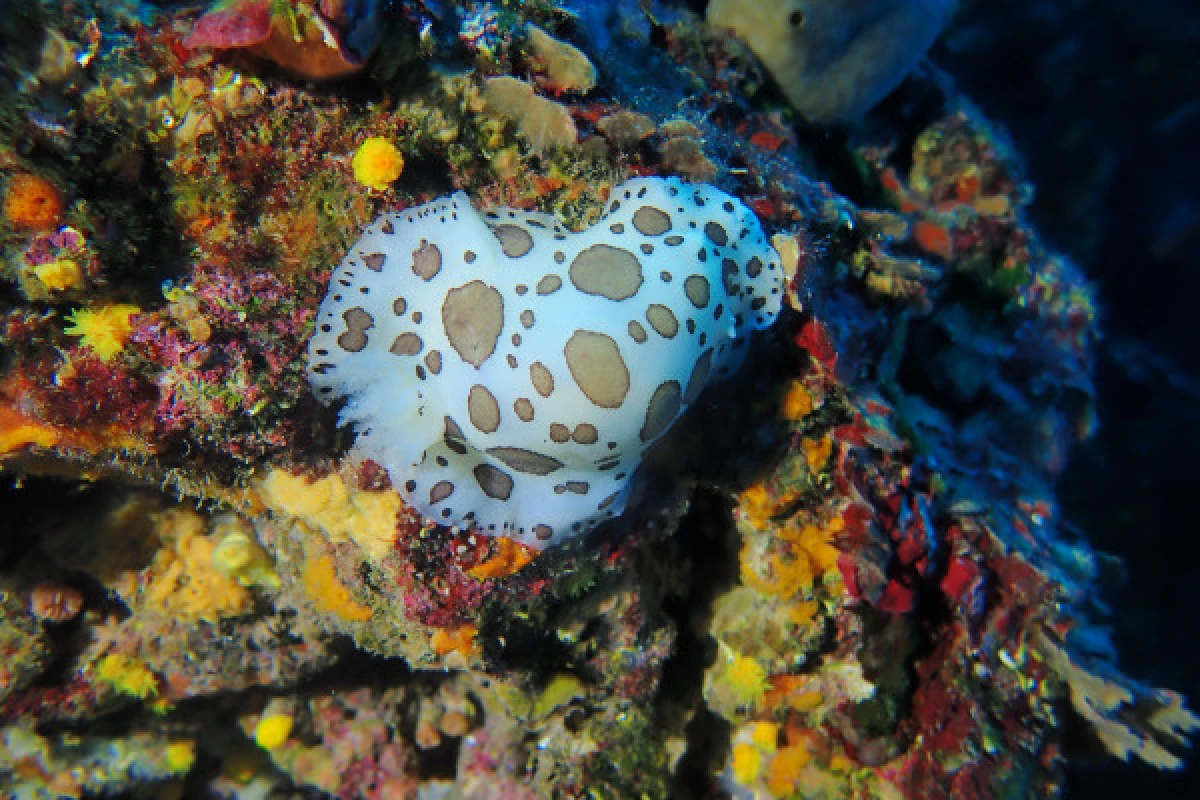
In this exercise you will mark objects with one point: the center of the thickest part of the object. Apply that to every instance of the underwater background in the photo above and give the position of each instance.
(933, 538)
(1103, 101)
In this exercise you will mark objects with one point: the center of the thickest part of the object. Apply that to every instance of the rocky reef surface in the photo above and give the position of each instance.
(843, 573)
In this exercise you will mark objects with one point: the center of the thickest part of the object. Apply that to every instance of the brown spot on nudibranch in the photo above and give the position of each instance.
(651, 221)
(697, 290)
(433, 360)
(543, 381)
(717, 233)
(427, 261)
(483, 409)
(523, 409)
(636, 331)
(543, 532)
(374, 261)
(357, 322)
(754, 267)
(440, 491)
(559, 433)
(495, 483)
(549, 284)
(473, 316)
(663, 408)
(526, 461)
(399, 306)
(585, 433)
(598, 369)
(663, 320)
(527, 319)
(514, 241)
(606, 271)
(406, 344)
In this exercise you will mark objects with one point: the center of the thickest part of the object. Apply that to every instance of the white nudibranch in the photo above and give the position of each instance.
(510, 374)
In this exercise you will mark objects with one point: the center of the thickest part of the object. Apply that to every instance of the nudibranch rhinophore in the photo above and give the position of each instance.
(509, 374)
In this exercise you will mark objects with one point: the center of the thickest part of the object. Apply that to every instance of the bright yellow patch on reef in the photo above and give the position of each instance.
(126, 675)
(816, 542)
(753, 744)
(509, 558)
(757, 504)
(377, 163)
(18, 431)
(765, 735)
(455, 640)
(273, 730)
(747, 763)
(180, 756)
(59, 275)
(105, 330)
(797, 402)
(342, 513)
(759, 507)
(807, 555)
(817, 452)
(183, 580)
(787, 769)
(327, 593)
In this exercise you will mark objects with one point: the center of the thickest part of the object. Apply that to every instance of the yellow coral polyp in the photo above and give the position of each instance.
(746, 679)
(816, 544)
(127, 676)
(104, 330)
(273, 730)
(377, 163)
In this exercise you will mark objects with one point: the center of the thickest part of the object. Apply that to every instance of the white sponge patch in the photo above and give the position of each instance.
(509, 374)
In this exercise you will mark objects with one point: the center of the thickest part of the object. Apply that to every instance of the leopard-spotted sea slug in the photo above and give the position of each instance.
(509, 374)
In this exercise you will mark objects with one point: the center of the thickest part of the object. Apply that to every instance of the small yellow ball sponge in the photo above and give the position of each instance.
(377, 163)
(273, 730)
(105, 330)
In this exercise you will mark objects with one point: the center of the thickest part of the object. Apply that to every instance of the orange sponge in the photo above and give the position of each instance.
(32, 202)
